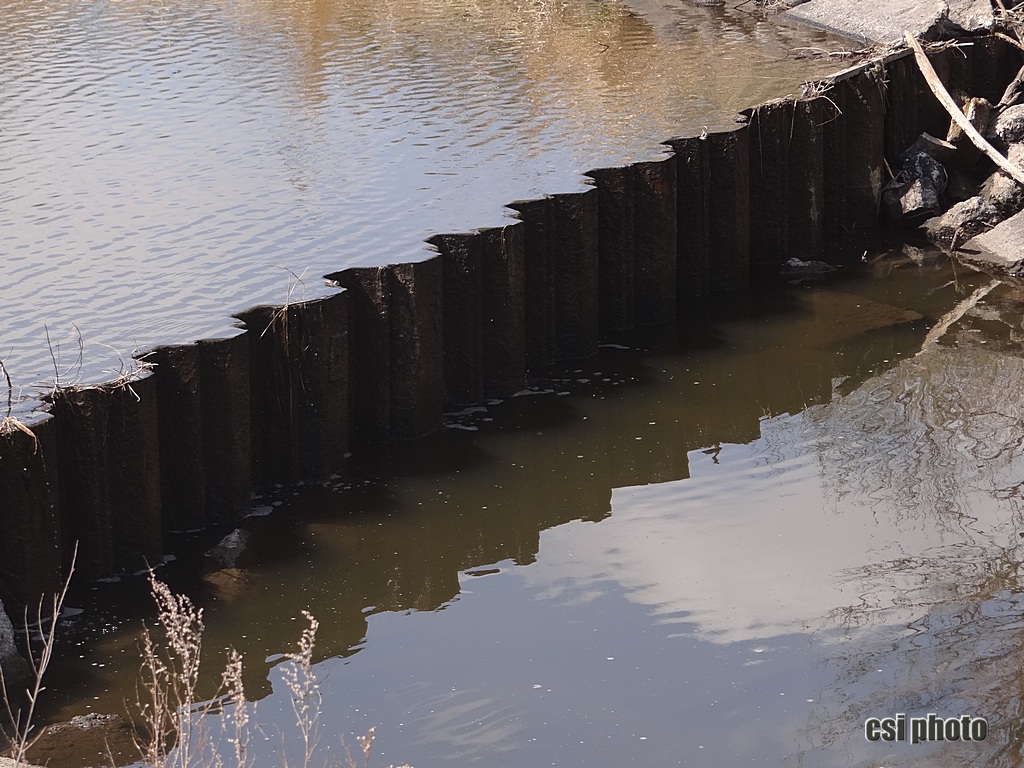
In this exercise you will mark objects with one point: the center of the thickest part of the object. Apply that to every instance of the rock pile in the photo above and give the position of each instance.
(950, 187)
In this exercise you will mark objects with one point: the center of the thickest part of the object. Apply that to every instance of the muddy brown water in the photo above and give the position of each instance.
(726, 542)
(163, 166)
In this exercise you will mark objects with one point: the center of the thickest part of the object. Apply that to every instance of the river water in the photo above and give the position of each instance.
(166, 164)
(727, 542)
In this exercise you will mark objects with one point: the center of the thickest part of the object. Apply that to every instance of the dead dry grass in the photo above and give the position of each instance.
(177, 728)
(9, 425)
(66, 382)
(180, 731)
(18, 708)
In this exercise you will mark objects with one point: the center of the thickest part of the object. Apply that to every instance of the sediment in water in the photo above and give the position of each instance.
(301, 385)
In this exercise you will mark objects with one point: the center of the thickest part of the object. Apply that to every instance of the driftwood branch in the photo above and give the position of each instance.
(954, 112)
(1011, 40)
(1011, 96)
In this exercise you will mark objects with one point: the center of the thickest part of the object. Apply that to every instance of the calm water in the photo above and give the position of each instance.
(163, 165)
(725, 544)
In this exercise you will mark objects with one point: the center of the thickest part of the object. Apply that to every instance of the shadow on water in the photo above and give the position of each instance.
(733, 538)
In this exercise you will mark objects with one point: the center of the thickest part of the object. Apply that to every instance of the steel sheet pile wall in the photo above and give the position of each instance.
(298, 392)
(484, 312)
(285, 398)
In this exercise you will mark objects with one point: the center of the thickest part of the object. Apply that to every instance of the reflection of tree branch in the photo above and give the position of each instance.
(957, 312)
(919, 445)
(912, 441)
(961, 653)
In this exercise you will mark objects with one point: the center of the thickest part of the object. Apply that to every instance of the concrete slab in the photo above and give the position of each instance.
(884, 23)
(1000, 250)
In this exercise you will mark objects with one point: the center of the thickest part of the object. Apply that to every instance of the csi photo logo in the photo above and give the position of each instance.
(930, 728)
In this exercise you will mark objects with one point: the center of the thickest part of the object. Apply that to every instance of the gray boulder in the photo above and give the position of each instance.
(999, 251)
(1009, 124)
(1003, 192)
(1007, 128)
(961, 222)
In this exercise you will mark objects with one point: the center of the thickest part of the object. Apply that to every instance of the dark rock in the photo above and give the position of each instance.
(937, 149)
(925, 167)
(908, 202)
(15, 668)
(961, 185)
(806, 269)
(961, 222)
(229, 549)
(916, 190)
(92, 738)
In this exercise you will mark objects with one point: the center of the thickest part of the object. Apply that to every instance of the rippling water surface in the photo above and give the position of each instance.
(163, 165)
(726, 545)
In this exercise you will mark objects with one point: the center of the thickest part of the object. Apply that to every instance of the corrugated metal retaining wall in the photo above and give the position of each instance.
(288, 395)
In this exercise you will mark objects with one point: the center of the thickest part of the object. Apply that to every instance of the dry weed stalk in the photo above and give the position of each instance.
(237, 735)
(122, 378)
(20, 718)
(170, 679)
(304, 690)
(9, 424)
(279, 318)
(818, 89)
(55, 358)
(128, 374)
(1010, 20)
(177, 727)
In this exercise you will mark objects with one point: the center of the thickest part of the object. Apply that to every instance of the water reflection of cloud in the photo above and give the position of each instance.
(776, 535)
(889, 517)
(744, 550)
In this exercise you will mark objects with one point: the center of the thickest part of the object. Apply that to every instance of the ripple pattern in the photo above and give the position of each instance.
(164, 165)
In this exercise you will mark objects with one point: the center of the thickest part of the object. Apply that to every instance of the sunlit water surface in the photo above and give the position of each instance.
(164, 165)
(724, 544)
